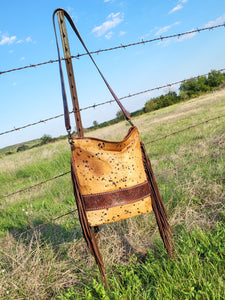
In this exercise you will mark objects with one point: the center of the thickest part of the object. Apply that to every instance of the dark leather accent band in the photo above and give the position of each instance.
(117, 198)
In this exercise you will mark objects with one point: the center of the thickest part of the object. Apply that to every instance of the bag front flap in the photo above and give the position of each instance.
(104, 166)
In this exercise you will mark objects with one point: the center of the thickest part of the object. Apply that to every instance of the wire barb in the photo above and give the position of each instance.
(110, 101)
(39, 226)
(70, 212)
(161, 38)
(146, 143)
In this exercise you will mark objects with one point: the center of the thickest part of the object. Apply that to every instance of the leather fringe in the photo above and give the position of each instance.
(87, 230)
(158, 207)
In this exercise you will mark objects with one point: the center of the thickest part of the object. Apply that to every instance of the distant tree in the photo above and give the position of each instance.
(9, 152)
(95, 124)
(161, 101)
(190, 88)
(197, 86)
(45, 139)
(215, 78)
(120, 115)
(22, 148)
(151, 105)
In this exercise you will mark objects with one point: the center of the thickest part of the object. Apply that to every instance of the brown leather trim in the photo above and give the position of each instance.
(116, 198)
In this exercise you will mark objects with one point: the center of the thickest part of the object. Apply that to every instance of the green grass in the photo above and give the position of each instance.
(53, 262)
(13, 148)
(198, 272)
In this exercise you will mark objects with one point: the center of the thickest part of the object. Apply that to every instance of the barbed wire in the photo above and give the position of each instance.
(32, 124)
(39, 226)
(109, 101)
(35, 185)
(184, 129)
(70, 212)
(61, 175)
(146, 143)
(190, 163)
(121, 46)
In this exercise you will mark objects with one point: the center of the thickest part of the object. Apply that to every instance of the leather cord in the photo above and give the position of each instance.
(65, 104)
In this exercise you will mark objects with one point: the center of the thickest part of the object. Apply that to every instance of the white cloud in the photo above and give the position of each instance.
(22, 58)
(164, 43)
(162, 30)
(107, 0)
(121, 33)
(28, 39)
(180, 39)
(186, 36)
(146, 35)
(109, 35)
(218, 21)
(112, 21)
(165, 28)
(177, 7)
(7, 40)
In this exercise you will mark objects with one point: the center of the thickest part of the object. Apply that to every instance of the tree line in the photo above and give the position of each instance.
(189, 89)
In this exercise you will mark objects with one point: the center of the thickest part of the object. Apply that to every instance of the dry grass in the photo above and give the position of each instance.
(35, 270)
(12, 163)
(33, 267)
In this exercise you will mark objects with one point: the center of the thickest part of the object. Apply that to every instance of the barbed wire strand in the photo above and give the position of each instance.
(70, 212)
(53, 178)
(146, 143)
(39, 226)
(32, 124)
(109, 101)
(35, 185)
(190, 163)
(121, 46)
(184, 129)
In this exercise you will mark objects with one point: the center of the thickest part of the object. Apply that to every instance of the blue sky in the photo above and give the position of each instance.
(27, 37)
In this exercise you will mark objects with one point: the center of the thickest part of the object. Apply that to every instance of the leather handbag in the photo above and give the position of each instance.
(112, 181)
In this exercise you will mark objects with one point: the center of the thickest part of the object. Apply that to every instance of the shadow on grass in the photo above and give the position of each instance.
(58, 235)
(51, 233)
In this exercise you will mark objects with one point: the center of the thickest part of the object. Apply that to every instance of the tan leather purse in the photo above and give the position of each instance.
(112, 181)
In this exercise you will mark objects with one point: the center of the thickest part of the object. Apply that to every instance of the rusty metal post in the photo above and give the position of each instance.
(70, 73)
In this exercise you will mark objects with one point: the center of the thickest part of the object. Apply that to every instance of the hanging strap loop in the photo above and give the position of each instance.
(65, 104)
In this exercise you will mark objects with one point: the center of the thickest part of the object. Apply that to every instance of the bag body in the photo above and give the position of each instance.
(112, 178)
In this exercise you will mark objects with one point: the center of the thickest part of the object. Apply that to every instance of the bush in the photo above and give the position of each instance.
(22, 148)
(161, 101)
(197, 86)
(215, 79)
(45, 139)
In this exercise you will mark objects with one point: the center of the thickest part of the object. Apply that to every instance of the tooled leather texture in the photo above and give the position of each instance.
(104, 167)
(115, 198)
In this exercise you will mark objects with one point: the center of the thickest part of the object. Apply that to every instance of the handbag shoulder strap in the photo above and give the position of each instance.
(65, 104)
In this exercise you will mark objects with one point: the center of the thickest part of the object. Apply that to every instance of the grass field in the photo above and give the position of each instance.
(53, 262)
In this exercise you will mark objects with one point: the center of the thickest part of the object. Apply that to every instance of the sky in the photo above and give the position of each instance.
(27, 38)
